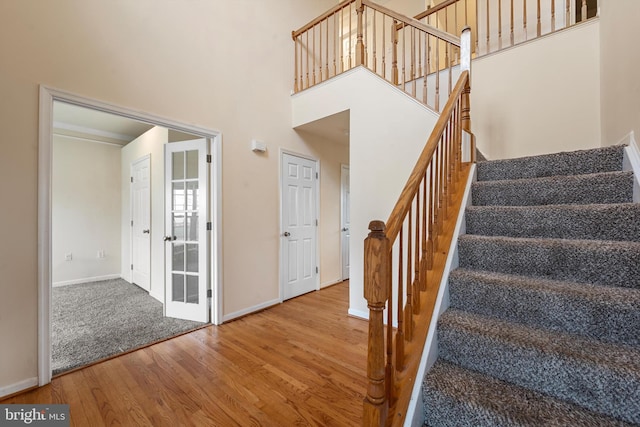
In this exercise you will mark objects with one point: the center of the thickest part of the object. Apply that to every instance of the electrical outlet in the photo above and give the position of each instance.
(101, 253)
(68, 256)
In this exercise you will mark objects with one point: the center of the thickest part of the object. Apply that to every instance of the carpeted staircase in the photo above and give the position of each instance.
(543, 327)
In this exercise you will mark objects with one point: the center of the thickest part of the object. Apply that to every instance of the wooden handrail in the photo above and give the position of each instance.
(403, 204)
(434, 9)
(320, 18)
(407, 21)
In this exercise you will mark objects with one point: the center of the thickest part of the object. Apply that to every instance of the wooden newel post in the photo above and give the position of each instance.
(376, 292)
(359, 41)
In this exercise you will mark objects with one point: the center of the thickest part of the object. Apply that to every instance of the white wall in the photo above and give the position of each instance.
(229, 68)
(620, 84)
(151, 142)
(85, 210)
(388, 130)
(540, 97)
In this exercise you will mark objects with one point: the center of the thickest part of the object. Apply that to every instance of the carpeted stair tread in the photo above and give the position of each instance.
(606, 159)
(609, 263)
(458, 397)
(608, 187)
(605, 313)
(620, 221)
(601, 377)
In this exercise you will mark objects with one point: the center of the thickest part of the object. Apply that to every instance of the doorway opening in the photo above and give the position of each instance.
(103, 199)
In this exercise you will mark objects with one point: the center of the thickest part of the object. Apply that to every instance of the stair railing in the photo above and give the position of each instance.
(404, 258)
(415, 57)
(498, 24)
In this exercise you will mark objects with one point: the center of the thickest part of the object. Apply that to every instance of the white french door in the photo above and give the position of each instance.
(141, 222)
(186, 236)
(345, 220)
(299, 225)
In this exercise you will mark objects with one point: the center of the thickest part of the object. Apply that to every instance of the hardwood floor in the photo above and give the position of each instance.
(299, 363)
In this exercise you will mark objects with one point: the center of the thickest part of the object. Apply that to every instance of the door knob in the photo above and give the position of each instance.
(345, 229)
(145, 231)
(169, 238)
(287, 234)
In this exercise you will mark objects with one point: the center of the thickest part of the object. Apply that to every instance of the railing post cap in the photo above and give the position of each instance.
(377, 226)
(467, 28)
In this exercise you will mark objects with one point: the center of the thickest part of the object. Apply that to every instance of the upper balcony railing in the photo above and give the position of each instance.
(498, 24)
(414, 56)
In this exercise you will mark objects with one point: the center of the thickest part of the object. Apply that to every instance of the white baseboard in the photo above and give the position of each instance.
(359, 313)
(330, 283)
(632, 162)
(86, 280)
(249, 310)
(159, 297)
(17, 387)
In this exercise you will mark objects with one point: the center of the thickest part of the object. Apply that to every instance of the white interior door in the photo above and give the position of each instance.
(186, 235)
(299, 225)
(141, 222)
(345, 220)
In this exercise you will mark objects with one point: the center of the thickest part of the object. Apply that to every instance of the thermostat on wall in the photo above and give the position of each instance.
(258, 146)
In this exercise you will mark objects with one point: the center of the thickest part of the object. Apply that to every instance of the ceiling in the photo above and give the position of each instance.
(334, 128)
(86, 123)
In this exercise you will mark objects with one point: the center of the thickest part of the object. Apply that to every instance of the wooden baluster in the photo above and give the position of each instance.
(432, 209)
(404, 56)
(295, 62)
(416, 259)
(511, 31)
(442, 188)
(437, 102)
(336, 41)
(553, 15)
(408, 309)
(313, 53)
(477, 29)
(374, 43)
(326, 45)
(365, 29)
(567, 13)
(359, 42)
(539, 24)
(307, 55)
(425, 256)
(389, 380)
(349, 50)
(426, 69)
(419, 54)
(340, 43)
(488, 28)
(319, 50)
(394, 53)
(413, 60)
(524, 19)
(376, 292)
(455, 18)
(384, 51)
(584, 11)
(499, 24)
(449, 57)
(400, 309)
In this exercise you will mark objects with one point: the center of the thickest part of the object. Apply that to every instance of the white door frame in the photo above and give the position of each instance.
(343, 168)
(131, 204)
(317, 213)
(45, 143)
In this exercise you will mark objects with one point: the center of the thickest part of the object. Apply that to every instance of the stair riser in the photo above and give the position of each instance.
(599, 263)
(602, 222)
(603, 391)
(442, 407)
(574, 163)
(597, 318)
(608, 188)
